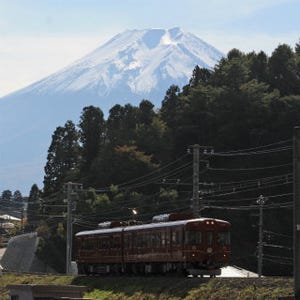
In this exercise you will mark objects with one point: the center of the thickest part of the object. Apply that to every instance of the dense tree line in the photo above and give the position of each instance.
(12, 202)
(246, 101)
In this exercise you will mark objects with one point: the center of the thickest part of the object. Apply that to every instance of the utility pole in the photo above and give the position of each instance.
(22, 220)
(197, 202)
(296, 166)
(71, 190)
(196, 210)
(261, 201)
(69, 229)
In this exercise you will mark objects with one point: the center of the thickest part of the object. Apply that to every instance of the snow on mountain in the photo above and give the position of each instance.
(133, 65)
(136, 58)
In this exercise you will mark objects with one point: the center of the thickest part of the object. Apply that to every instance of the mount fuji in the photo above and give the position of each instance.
(133, 65)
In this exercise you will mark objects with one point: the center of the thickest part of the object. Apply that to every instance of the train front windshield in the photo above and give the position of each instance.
(193, 238)
(196, 238)
(224, 238)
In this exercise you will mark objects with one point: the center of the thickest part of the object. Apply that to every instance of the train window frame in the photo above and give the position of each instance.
(193, 237)
(209, 238)
(175, 237)
(116, 242)
(88, 244)
(163, 238)
(224, 236)
(140, 240)
(128, 241)
(156, 239)
(105, 242)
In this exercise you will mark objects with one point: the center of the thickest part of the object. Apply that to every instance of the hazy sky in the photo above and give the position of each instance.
(38, 37)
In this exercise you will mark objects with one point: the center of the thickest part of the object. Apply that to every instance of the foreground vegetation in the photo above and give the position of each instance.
(162, 288)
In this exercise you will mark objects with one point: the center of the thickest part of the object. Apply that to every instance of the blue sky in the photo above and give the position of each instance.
(38, 37)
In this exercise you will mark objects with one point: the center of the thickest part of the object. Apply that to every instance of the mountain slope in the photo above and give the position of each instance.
(137, 59)
(133, 65)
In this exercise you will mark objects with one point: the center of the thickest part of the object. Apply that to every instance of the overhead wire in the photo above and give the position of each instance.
(260, 147)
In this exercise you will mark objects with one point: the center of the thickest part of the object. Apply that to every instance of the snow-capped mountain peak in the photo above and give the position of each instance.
(137, 60)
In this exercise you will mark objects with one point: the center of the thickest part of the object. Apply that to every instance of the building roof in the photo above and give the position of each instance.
(8, 217)
(43, 290)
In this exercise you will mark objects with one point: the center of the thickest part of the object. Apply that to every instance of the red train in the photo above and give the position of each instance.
(172, 243)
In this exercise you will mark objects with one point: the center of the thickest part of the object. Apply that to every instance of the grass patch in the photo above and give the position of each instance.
(161, 288)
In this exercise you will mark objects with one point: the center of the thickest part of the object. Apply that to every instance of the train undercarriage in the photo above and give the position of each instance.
(180, 269)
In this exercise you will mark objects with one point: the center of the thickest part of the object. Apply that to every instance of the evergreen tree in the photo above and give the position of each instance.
(171, 106)
(258, 66)
(121, 124)
(92, 134)
(297, 53)
(114, 124)
(63, 158)
(17, 200)
(283, 70)
(6, 195)
(34, 208)
(17, 197)
(200, 76)
(146, 112)
(232, 71)
(297, 48)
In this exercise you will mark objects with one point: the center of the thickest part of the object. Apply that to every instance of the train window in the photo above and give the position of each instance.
(116, 242)
(148, 240)
(85, 244)
(209, 238)
(140, 240)
(163, 238)
(193, 237)
(153, 241)
(175, 237)
(89, 244)
(98, 243)
(156, 239)
(168, 238)
(224, 238)
(104, 243)
(128, 241)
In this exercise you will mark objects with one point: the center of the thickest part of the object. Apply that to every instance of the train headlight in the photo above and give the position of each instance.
(209, 250)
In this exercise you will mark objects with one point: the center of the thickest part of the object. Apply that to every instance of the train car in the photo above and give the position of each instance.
(171, 243)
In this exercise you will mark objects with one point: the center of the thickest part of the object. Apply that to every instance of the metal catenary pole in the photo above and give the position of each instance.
(261, 201)
(69, 229)
(196, 210)
(296, 165)
(196, 200)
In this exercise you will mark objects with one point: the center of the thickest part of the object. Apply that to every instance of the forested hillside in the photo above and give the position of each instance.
(245, 108)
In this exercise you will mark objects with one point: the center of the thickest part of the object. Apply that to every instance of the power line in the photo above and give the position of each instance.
(252, 207)
(245, 190)
(155, 171)
(262, 152)
(278, 234)
(249, 169)
(260, 147)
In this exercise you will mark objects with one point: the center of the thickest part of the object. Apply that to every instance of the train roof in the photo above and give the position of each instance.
(147, 226)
